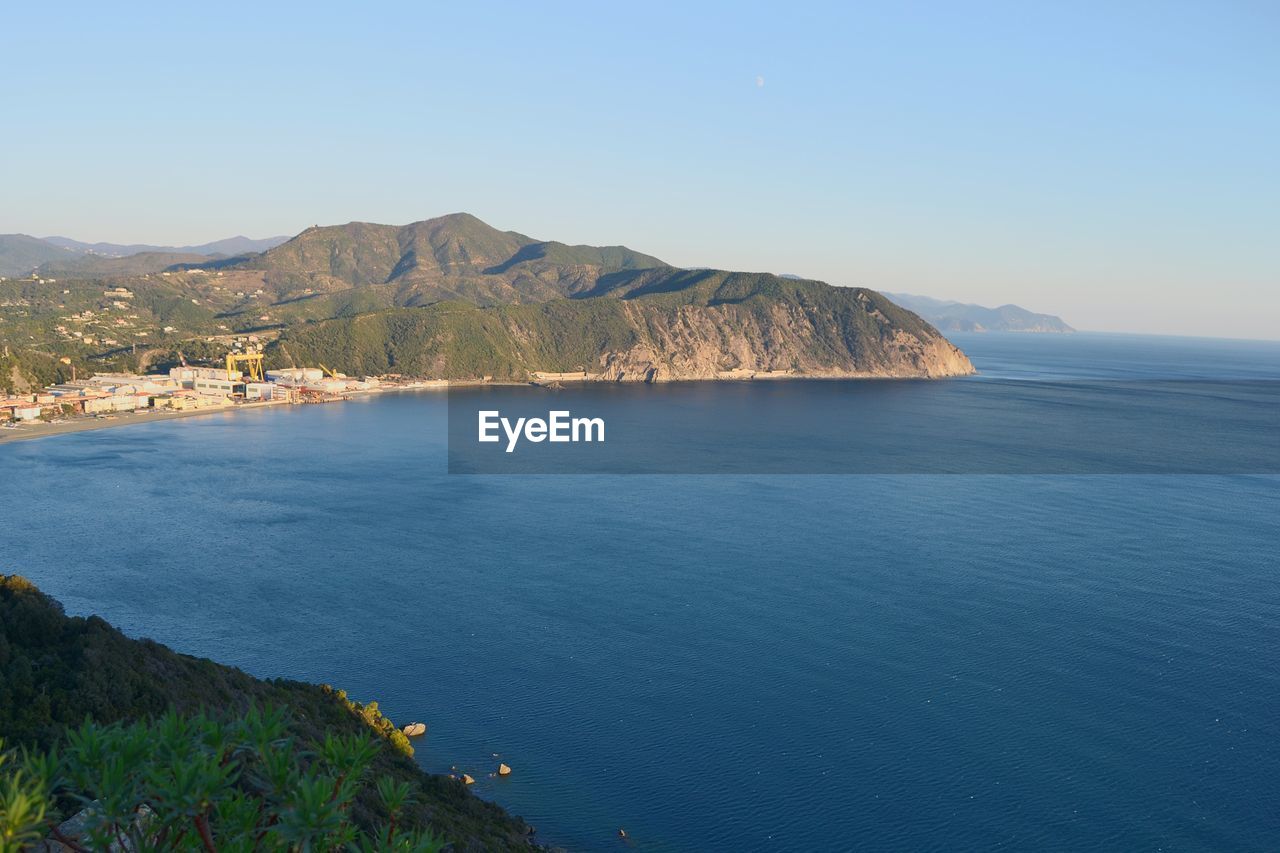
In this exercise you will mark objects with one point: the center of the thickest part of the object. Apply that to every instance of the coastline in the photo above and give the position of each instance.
(31, 431)
(40, 429)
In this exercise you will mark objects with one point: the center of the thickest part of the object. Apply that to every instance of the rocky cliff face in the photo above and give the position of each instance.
(726, 342)
(805, 329)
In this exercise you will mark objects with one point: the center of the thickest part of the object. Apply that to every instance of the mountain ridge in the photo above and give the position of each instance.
(227, 246)
(455, 298)
(23, 254)
(506, 305)
(952, 316)
(105, 266)
(456, 256)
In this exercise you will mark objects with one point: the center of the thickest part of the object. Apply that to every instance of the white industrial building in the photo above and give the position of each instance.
(259, 390)
(217, 386)
(296, 375)
(115, 403)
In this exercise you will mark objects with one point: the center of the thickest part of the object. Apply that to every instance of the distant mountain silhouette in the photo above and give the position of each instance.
(229, 246)
(964, 317)
(22, 253)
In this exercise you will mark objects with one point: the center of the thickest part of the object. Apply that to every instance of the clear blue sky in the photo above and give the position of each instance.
(1118, 163)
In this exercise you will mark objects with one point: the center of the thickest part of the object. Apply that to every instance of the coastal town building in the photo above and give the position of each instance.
(182, 388)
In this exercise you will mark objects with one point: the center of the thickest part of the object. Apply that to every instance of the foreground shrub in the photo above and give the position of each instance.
(200, 783)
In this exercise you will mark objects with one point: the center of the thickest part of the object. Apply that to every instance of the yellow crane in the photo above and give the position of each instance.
(253, 366)
(328, 371)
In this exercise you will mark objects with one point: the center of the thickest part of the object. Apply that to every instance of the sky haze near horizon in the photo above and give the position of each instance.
(1117, 164)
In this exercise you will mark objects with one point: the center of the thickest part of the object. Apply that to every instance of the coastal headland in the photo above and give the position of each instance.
(447, 299)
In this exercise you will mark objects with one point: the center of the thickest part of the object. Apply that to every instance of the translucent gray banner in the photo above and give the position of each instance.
(967, 426)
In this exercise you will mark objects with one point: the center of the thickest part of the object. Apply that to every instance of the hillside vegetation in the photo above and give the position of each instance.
(57, 671)
(24, 371)
(451, 257)
(649, 327)
(204, 782)
(454, 298)
(98, 266)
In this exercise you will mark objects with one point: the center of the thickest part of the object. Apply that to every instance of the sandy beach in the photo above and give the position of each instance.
(39, 429)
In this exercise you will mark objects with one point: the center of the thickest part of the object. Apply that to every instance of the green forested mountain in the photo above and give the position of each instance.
(22, 371)
(454, 298)
(502, 304)
(646, 326)
(451, 257)
(56, 671)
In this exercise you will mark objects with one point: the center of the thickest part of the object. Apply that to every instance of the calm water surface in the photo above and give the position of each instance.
(722, 663)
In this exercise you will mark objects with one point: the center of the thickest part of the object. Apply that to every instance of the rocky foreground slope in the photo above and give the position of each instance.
(57, 671)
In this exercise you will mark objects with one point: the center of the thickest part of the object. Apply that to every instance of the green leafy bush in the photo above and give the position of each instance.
(202, 783)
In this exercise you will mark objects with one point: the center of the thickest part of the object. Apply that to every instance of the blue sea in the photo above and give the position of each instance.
(738, 662)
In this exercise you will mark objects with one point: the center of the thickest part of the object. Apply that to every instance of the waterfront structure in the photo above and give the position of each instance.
(217, 386)
(295, 376)
(182, 388)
